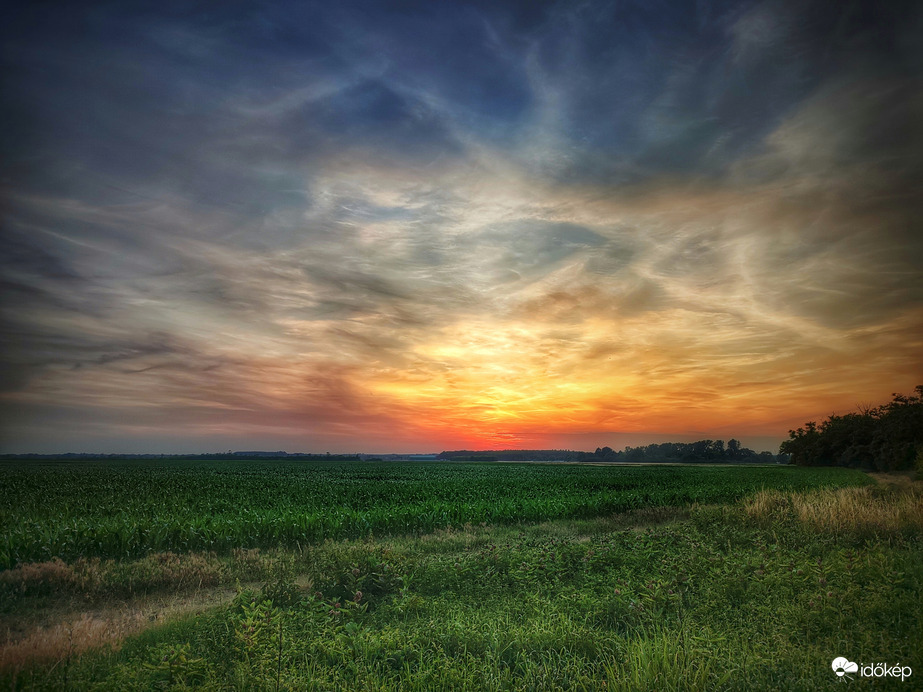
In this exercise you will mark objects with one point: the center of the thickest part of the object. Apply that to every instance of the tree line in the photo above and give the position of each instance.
(691, 452)
(885, 438)
(513, 455)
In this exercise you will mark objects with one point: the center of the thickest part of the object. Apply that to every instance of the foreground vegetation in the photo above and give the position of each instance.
(755, 586)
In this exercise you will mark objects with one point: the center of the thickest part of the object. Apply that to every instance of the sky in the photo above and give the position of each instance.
(416, 226)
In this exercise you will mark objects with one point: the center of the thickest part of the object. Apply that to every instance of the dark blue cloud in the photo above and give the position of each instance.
(651, 89)
(188, 103)
(153, 94)
(461, 53)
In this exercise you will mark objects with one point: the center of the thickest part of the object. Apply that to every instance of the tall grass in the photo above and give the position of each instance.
(61, 641)
(864, 510)
(668, 659)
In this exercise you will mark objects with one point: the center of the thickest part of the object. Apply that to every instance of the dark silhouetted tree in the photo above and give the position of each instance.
(886, 438)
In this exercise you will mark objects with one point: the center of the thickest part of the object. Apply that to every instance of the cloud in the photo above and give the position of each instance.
(332, 224)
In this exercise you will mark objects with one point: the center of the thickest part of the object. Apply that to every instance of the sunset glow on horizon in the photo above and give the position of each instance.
(457, 226)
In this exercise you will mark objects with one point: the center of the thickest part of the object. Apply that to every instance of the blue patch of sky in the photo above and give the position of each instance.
(147, 92)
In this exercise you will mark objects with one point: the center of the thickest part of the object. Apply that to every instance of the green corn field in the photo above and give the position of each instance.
(126, 509)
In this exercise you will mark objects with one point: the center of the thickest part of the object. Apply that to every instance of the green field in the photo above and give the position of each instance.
(457, 576)
(131, 508)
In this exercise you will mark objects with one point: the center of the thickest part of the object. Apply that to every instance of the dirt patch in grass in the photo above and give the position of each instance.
(61, 633)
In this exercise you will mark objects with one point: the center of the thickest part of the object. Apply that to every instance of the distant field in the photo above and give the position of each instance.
(126, 509)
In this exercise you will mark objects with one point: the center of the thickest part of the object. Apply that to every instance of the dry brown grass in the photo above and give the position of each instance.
(250, 563)
(61, 610)
(177, 572)
(93, 578)
(39, 576)
(67, 639)
(57, 609)
(897, 480)
(895, 508)
(66, 633)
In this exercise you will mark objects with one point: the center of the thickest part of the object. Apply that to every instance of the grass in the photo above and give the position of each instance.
(758, 592)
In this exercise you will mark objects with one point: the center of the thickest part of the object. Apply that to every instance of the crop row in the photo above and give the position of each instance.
(128, 509)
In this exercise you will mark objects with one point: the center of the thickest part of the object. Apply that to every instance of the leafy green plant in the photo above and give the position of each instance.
(172, 666)
(280, 588)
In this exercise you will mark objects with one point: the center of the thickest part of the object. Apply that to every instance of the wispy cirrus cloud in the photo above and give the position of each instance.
(348, 227)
